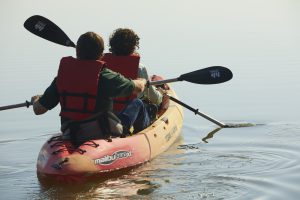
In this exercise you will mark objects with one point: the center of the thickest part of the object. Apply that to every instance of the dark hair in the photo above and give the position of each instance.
(90, 46)
(123, 42)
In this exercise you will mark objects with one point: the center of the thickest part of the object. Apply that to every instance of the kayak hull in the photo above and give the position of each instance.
(58, 159)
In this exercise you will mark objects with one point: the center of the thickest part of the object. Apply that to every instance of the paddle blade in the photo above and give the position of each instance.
(209, 75)
(46, 29)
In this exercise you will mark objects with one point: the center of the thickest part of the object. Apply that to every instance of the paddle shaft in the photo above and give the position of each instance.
(26, 104)
(162, 81)
(197, 112)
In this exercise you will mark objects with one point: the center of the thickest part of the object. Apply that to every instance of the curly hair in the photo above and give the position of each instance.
(123, 42)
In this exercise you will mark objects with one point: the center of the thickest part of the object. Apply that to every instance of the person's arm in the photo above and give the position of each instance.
(113, 84)
(47, 101)
(151, 93)
(139, 85)
(38, 109)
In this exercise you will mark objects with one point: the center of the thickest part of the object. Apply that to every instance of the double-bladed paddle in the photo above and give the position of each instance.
(209, 75)
(48, 30)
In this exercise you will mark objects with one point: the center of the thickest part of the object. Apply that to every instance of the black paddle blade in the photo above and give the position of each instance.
(209, 75)
(46, 29)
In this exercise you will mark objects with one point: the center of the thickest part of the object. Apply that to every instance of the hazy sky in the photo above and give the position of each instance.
(258, 40)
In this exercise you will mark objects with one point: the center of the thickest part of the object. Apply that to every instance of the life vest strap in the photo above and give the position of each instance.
(77, 110)
(85, 97)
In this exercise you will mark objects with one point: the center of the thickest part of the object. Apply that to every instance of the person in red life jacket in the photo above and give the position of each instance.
(124, 59)
(84, 88)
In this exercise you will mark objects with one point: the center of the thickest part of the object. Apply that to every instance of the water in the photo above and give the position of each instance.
(258, 40)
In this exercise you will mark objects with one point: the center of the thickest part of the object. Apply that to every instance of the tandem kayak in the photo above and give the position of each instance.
(59, 160)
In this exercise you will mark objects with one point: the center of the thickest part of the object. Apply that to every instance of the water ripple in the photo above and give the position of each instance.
(254, 168)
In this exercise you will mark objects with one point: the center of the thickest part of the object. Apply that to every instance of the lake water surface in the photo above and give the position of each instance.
(258, 40)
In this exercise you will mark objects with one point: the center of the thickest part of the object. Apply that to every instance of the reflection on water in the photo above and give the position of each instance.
(126, 186)
(210, 135)
(228, 125)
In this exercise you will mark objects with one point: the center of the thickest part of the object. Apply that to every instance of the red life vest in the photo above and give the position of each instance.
(77, 85)
(127, 66)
